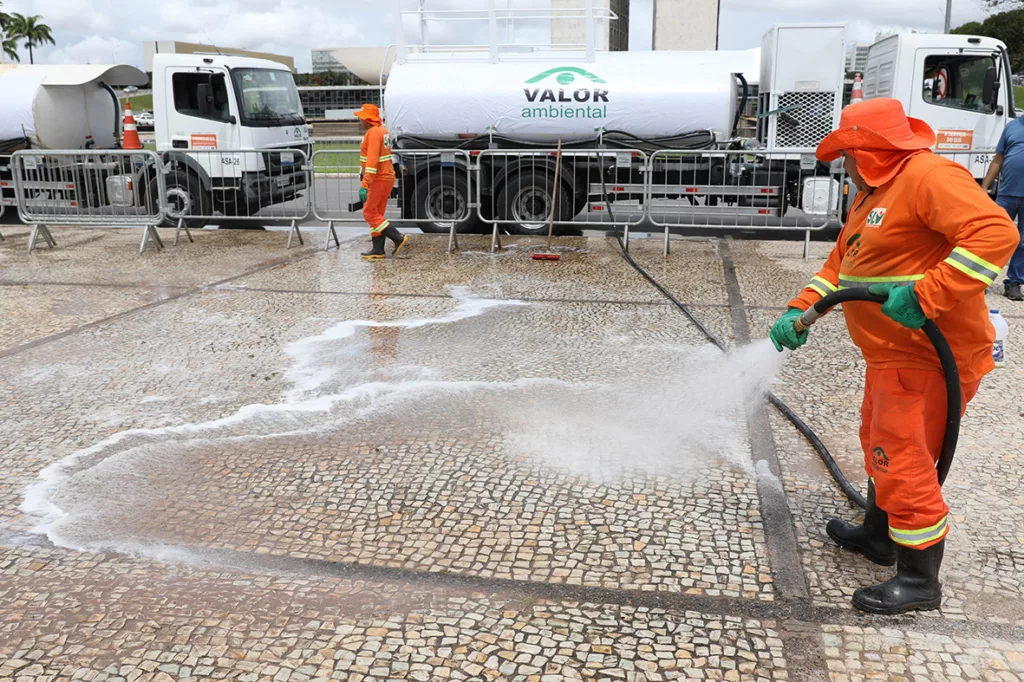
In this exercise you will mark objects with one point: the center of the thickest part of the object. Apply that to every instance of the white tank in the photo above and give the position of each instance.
(62, 106)
(648, 94)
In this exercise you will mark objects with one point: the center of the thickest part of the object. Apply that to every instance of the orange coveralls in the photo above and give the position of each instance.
(933, 226)
(378, 176)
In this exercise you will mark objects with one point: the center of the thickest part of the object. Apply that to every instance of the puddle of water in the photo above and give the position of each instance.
(676, 419)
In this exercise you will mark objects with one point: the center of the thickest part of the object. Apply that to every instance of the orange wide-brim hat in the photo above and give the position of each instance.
(369, 112)
(876, 125)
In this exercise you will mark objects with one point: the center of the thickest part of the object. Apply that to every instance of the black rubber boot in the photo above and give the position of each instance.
(377, 252)
(396, 237)
(915, 588)
(1011, 290)
(872, 539)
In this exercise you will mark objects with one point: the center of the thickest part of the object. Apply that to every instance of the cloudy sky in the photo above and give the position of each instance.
(101, 31)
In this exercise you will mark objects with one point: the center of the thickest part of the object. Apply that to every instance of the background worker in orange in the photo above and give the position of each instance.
(923, 233)
(378, 174)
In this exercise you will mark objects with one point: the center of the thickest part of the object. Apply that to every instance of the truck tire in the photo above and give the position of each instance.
(436, 202)
(526, 201)
(184, 196)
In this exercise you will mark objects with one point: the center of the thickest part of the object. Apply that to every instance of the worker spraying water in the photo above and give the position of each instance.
(923, 237)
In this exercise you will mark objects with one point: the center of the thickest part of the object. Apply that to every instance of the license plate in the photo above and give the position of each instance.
(283, 181)
(287, 157)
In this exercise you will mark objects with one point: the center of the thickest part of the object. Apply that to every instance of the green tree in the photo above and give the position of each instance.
(1005, 26)
(31, 30)
(8, 44)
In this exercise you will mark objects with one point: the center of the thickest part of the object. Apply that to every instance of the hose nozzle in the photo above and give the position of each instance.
(805, 321)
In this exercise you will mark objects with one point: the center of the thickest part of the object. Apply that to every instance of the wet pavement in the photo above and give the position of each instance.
(229, 460)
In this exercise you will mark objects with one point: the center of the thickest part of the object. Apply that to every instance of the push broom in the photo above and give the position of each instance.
(547, 253)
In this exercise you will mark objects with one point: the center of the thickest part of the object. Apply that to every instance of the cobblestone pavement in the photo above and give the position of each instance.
(229, 460)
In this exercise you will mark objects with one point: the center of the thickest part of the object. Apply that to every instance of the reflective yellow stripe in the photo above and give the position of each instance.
(362, 158)
(385, 158)
(969, 264)
(851, 282)
(822, 286)
(371, 170)
(913, 538)
(380, 228)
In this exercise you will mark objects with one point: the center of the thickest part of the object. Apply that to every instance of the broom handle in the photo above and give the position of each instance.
(554, 192)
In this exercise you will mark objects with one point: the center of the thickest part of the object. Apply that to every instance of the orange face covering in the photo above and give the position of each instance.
(879, 166)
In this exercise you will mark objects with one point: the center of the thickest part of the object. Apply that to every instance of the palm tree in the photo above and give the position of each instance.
(31, 31)
(8, 44)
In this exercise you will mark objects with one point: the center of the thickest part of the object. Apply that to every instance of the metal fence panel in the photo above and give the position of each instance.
(743, 189)
(220, 185)
(103, 188)
(432, 188)
(518, 188)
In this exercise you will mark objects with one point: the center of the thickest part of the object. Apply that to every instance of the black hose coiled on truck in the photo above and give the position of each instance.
(946, 359)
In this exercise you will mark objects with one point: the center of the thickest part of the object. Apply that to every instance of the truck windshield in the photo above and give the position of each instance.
(267, 97)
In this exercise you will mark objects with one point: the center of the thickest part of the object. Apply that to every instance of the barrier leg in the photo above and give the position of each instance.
(625, 238)
(1, 236)
(295, 232)
(807, 244)
(453, 239)
(666, 241)
(495, 239)
(331, 234)
(147, 232)
(37, 232)
(177, 231)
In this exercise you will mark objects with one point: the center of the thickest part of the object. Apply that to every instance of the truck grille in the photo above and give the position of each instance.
(808, 121)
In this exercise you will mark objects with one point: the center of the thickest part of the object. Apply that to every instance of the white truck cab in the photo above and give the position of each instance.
(212, 112)
(960, 85)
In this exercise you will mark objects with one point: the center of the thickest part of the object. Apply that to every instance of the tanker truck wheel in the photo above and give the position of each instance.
(438, 200)
(183, 196)
(526, 200)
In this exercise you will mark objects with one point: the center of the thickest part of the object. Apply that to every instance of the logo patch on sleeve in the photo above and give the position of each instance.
(875, 217)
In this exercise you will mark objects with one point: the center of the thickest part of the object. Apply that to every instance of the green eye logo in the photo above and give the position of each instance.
(566, 75)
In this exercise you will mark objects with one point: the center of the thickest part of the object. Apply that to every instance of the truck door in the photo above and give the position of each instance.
(203, 112)
(949, 92)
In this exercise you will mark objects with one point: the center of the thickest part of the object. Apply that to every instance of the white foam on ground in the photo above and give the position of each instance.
(677, 417)
(115, 454)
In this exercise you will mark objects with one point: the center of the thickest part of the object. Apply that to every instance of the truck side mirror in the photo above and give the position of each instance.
(990, 91)
(204, 99)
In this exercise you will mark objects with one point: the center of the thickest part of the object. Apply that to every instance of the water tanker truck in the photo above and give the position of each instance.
(684, 105)
(210, 110)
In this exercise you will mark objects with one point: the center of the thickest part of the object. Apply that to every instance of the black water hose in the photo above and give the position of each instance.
(743, 103)
(946, 359)
(954, 404)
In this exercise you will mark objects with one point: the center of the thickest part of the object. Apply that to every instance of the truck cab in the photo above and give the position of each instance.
(960, 85)
(211, 109)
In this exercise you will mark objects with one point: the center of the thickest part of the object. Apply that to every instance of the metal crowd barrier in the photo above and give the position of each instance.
(219, 185)
(517, 188)
(109, 187)
(432, 189)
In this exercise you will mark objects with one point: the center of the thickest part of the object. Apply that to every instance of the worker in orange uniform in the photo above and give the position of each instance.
(378, 179)
(922, 233)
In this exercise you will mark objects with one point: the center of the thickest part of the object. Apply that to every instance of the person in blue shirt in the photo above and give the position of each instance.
(1008, 164)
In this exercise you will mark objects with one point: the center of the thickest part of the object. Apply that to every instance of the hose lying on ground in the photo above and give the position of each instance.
(946, 359)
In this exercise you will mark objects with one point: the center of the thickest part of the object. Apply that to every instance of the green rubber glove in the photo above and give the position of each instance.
(784, 334)
(363, 193)
(902, 306)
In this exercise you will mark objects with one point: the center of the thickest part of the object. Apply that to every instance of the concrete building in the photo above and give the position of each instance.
(150, 48)
(325, 61)
(857, 57)
(686, 24)
(612, 36)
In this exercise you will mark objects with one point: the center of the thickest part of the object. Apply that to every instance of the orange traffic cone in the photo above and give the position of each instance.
(131, 133)
(857, 94)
